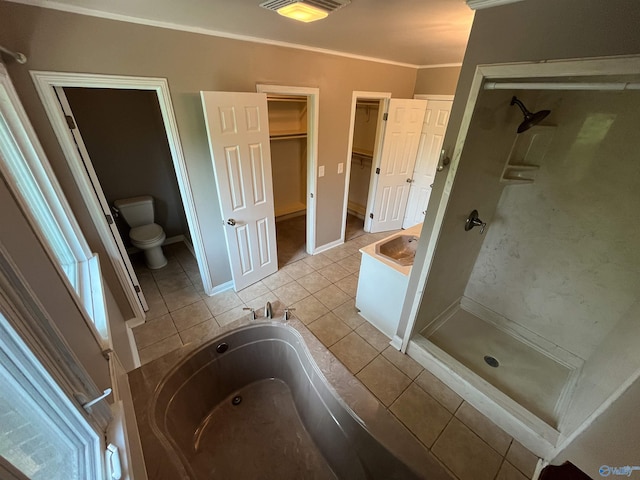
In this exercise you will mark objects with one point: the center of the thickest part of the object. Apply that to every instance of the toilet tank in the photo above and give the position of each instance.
(136, 211)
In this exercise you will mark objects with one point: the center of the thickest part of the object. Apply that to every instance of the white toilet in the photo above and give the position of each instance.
(144, 234)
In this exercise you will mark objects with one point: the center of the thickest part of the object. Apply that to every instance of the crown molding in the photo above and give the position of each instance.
(63, 7)
(481, 4)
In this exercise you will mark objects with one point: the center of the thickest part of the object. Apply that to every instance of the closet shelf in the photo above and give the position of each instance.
(285, 135)
(362, 152)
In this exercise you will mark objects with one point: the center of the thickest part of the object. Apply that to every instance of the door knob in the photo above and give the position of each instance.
(231, 222)
(409, 180)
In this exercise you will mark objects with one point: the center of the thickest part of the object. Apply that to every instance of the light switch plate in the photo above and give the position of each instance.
(340, 167)
(321, 171)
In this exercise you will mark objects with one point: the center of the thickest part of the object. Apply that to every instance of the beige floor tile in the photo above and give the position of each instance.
(348, 285)
(157, 308)
(405, 363)
(277, 280)
(314, 282)
(160, 348)
(509, 472)
(334, 272)
(254, 291)
(351, 263)
(154, 331)
(348, 313)
(291, 293)
(522, 459)
(318, 261)
(329, 329)
(181, 298)
(201, 332)
(354, 352)
(331, 297)
(438, 390)
(497, 438)
(223, 302)
(421, 414)
(375, 337)
(298, 269)
(384, 380)
(337, 253)
(465, 454)
(171, 283)
(231, 315)
(171, 268)
(190, 315)
(309, 309)
(147, 282)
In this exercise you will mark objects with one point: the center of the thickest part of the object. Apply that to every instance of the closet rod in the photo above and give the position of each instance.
(17, 56)
(613, 86)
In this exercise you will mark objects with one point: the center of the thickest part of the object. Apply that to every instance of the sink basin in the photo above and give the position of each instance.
(400, 249)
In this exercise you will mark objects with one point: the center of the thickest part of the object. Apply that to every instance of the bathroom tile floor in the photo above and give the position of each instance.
(322, 289)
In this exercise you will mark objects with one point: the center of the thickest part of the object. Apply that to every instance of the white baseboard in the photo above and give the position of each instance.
(130, 324)
(396, 342)
(287, 216)
(328, 246)
(223, 287)
(167, 241)
(189, 246)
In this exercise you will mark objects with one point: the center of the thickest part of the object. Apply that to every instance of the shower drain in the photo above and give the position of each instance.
(237, 400)
(491, 361)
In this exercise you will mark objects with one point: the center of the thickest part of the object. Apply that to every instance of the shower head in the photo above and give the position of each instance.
(530, 119)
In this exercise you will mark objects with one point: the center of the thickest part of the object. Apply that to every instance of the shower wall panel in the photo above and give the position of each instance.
(560, 256)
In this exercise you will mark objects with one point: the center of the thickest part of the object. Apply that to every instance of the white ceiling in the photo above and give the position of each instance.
(416, 32)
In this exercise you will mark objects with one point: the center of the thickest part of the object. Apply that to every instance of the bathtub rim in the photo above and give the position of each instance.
(178, 459)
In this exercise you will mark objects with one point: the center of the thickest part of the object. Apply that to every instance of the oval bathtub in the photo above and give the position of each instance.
(262, 409)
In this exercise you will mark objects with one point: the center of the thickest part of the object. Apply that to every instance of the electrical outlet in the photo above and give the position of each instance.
(340, 167)
(321, 171)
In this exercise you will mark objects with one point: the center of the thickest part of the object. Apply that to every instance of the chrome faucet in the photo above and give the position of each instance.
(268, 312)
(253, 312)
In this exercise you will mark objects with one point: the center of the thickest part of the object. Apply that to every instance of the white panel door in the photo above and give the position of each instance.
(433, 130)
(399, 148)
(238, 130)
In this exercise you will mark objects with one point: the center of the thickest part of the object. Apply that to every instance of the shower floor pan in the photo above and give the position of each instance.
(534, 378)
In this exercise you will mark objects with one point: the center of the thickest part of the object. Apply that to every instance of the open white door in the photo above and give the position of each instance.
(106, 210)
(433, 130)
(238, 131)
(399, 148)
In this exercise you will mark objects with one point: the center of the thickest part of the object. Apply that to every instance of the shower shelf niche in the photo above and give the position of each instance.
(527, 153)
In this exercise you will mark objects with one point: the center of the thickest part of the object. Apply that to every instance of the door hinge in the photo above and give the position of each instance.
(109, 219)
(385, 117)
(70, 122)
(311, 195)
(137, 288)
(377, 171)
(371, 215)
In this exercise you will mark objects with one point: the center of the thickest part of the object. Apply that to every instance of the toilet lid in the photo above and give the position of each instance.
(146, 233)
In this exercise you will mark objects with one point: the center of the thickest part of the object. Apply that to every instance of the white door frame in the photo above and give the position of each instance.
(45, 83)
(313, 111)
(623, 65)
(383, 98)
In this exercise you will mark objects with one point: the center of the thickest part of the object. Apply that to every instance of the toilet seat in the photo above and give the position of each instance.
(146, 234)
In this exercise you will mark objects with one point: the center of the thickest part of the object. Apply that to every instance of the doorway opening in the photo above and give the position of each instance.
(121, 135)
(365, 134)
(48, 85)
(293, 120)
(288, 142)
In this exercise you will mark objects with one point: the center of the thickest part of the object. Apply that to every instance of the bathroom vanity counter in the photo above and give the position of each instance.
(382, 283)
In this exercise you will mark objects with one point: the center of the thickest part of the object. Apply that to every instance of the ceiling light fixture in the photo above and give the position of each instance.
(304, 10)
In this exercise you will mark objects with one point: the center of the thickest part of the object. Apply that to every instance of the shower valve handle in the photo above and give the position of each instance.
(474, 221)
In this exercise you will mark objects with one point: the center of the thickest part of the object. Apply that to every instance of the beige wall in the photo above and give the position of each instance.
(437, 81)
(66, 42)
